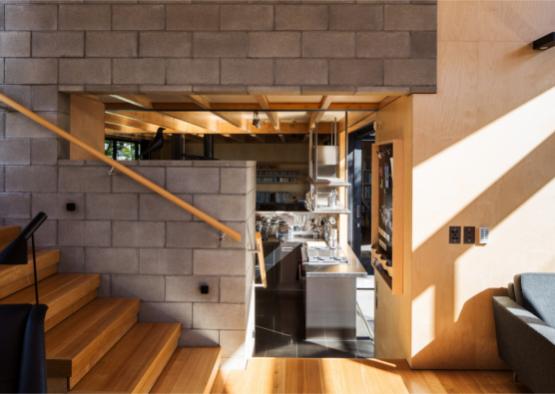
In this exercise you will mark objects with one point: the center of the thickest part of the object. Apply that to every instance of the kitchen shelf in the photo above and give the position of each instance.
(329, 182)
(332, 210)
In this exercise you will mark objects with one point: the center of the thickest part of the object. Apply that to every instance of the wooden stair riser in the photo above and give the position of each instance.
(74, 346)
(63, 293)
(103, 343)
(190, 370)
(135, 362)
(8, 234)
(16, 277)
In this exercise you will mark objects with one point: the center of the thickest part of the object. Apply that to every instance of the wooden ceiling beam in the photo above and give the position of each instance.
(265, 105)
(163, 120)
(203, 102)
(134, 100)
(316, 117)
(222, 107)
(118, 119)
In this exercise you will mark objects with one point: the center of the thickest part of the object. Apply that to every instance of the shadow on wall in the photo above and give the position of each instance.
(454, 323)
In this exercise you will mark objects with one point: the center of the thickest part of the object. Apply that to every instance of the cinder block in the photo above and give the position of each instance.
(44, 150)
(54, 204)
(31, 71)
(15, 44)
(410, 72)
(219, 262)
(15, 151)
(193, 17)
(154, 207)
(193, 180)
(247, 71)
(84, 179)
(246, 17)
(2, 18)
(138, 17)
(410, 17)
(167, 312)
(219, 316)
(233, 289)
(193, 71)
(301, 72)
(191, 235)
(112, 206)
(186, 288)
(328, 44)
(112, 44)
(84, 233)
(59, 44)
(123, 184)
(48, 98)
(84, 17)
(145, 287)
(1, 179)
(275, 44)
(105, 289)
(138, 234)
(222, 207)
(383, 44)
(356, 72)
(197, 338)
(166, 261)
(19, 126)
(165, 44)
(112, 260)
(72, 259)
(85, 71)
(139, 71)
(216, 44)
(20, 93)
(356, 17)
(241, 227)
(301, 17)
(423, 44)
(31, 17)
(236, 180)
(231, 341)
(31, 179)
(15, 205)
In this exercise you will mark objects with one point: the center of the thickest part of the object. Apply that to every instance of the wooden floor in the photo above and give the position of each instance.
(352, 376)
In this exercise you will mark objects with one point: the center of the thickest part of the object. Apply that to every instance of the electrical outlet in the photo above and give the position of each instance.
(454, 234)
(469, 234)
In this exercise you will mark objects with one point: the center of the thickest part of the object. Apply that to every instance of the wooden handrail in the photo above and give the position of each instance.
(261, 259)
(121, 168)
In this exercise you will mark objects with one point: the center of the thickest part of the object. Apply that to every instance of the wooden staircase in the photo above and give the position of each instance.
(96, 344)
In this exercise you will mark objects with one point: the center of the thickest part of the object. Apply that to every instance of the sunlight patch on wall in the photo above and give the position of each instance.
(469, 167)
(423, 308)
(522, 236)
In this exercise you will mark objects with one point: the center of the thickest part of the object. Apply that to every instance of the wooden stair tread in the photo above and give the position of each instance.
(63, 293)
(16, 277)
(190, 370)
(135, 362)
(75, 345)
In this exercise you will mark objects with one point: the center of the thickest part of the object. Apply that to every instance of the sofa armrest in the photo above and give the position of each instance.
(526, 343)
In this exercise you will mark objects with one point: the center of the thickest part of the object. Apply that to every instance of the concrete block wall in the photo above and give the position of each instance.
(220, 46)
(143, 245)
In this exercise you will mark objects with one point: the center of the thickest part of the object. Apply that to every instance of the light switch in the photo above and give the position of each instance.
(483, 235)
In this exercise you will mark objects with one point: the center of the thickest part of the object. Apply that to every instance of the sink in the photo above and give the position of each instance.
(318, 253)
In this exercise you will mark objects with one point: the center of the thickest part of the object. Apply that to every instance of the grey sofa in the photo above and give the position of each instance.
(525, 328)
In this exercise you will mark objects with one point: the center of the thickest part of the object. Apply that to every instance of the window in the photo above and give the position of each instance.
(122, 149)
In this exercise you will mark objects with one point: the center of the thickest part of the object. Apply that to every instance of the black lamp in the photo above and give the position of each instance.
(545, 42)
(156, 143)
(16, 251)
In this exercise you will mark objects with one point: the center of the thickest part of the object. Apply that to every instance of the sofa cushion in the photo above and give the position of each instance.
(538, 295)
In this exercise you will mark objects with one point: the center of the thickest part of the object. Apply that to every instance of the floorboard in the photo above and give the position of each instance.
(353, 376)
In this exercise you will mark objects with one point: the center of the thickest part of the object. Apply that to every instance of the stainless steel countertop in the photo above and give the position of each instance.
(353, 267)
